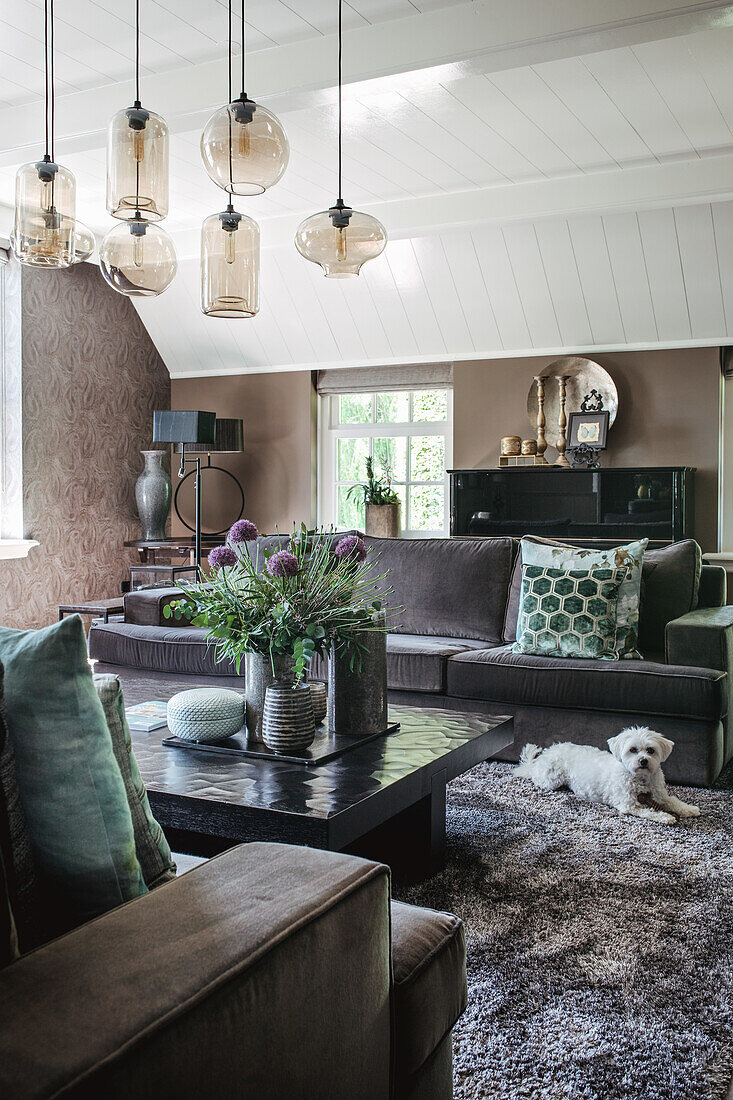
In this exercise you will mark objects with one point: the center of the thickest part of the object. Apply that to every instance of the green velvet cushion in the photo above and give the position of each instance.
(569, 612)
(71, 789)
(630, 557)
(153, 852)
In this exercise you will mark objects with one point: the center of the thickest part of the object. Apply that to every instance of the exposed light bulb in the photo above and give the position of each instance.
(137, 229)
(341, 244)
(138, 145)
(244, 139)
(230, 247)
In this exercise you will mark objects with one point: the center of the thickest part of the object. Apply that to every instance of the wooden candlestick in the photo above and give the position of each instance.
(541, 441)
(562, 422)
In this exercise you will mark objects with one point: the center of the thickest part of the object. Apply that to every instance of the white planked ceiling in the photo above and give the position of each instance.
(581, 199)
(656, 277)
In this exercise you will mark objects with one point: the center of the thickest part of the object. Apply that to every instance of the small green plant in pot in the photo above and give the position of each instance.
(381, 504)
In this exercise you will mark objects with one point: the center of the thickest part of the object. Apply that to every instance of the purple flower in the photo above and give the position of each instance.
(351, 547)
(221, 556)
(243, 530)
(282, 564)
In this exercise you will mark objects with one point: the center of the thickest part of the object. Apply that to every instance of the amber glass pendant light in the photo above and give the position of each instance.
(138, 259)
(137, 157)
(45, 192)
(230, 252)
(340, 239)
(244, 147)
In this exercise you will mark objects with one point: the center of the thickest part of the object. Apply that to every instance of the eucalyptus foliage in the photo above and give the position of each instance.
(255, 605)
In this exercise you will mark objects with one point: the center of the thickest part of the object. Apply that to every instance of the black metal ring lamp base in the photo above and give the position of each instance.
(209, 466)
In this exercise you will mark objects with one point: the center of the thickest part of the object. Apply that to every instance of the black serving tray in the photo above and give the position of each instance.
(326, 747)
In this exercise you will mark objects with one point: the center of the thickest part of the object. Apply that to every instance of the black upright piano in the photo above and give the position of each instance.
(588, 507)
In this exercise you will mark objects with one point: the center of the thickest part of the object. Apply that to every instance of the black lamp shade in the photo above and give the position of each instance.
(229, 438)
(174, 426)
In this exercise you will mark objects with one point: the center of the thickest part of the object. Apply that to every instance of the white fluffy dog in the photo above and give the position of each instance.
(632, 768)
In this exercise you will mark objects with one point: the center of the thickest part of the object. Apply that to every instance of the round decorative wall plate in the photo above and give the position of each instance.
(583, 375)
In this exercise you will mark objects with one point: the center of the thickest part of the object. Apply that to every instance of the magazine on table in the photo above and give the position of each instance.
(145, 717)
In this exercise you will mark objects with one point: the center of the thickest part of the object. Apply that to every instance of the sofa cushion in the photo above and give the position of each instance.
(159, 648)
(429, 968)
(670, 580)
(569, 612)
(71, 789)
(414, 662)
(145, 606)
(639, 687)
(454, 588)
(151, 847)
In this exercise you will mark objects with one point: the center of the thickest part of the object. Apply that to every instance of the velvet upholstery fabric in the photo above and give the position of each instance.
(428, 961)
(712, 591)
(182, 649)
(71, 789)
(146, 606)
(704, 638)
(151, 847)
(640, 687)
(670, 582)
(415, 662)
(453, 588)
(265, 972)
(434, 1080)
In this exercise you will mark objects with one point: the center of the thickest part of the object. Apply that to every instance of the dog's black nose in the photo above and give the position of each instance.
(643, 762)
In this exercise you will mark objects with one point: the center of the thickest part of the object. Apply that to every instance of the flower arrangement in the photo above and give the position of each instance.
(376, 490)
(296, 600)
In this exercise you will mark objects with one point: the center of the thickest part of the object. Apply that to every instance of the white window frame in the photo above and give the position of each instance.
(330, 431)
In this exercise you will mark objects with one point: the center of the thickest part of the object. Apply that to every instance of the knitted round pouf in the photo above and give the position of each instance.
(206, 714)
(287, 718)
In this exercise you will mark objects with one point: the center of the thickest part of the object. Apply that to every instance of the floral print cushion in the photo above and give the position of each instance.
(629, 557)
(569, 612)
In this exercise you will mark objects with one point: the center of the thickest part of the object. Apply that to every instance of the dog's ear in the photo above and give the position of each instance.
(665, 746)
(615, 744)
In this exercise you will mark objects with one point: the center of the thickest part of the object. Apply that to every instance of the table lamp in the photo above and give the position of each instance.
(229, 440)
(193, 430)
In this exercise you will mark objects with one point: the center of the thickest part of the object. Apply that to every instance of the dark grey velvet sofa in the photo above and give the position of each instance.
(268, 972)
(451, 646)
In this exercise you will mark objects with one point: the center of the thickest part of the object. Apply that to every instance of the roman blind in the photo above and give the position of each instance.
(420, 376)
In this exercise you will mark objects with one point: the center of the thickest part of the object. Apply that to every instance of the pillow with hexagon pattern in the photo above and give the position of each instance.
(569, 612)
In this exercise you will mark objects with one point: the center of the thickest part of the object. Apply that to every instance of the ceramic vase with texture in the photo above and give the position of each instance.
(153, 495)
(258, 675)
(287, 719)
(357, 697)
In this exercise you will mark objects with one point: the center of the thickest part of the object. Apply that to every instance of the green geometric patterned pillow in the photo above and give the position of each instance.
(569, 612)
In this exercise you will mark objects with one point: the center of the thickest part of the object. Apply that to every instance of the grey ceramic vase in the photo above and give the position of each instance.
(319, 699)
(357, 698)
(258, 675)
(287, 719)
(153, 495)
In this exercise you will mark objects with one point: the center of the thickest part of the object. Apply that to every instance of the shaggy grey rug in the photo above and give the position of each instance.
(600, 949)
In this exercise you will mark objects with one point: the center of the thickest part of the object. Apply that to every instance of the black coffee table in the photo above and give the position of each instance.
(384, 799)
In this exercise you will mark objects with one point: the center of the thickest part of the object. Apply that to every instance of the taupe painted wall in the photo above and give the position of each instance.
(668, 415)
(277, 468)
(91, 379)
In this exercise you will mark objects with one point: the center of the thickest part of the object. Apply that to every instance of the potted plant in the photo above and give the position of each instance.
(381, 504)
(278, 607)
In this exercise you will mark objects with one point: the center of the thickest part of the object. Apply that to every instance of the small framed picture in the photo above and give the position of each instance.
(588, 429)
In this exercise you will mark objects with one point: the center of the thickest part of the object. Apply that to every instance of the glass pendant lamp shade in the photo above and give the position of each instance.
(45, 211)
(138, 259)
(244, 148)
(137, 165)
(341, 240)
(230, 265)
(84, 242)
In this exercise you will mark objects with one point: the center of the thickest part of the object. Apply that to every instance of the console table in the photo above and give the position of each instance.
(152, 551)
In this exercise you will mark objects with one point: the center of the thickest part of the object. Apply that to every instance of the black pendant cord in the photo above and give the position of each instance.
(53, 94)
(340, 198)
(244, 94)
(229, 98)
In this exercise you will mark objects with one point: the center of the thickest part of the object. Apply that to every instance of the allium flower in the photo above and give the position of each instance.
(352, 547)
(282, 564)
(221, 556)
(243, 530)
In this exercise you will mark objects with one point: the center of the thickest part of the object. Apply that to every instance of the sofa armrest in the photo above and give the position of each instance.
(701, 639)
(264, 972)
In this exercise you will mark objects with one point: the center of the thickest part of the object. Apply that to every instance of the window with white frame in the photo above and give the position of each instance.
(408, 436)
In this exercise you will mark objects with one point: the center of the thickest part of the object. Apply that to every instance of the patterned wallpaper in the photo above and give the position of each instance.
(91, 379)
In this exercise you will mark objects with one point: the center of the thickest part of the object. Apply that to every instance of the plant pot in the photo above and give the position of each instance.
(357, 698)
(319, 698)
(258, 676)
(382, 521)
(153, 495)
(287, 719)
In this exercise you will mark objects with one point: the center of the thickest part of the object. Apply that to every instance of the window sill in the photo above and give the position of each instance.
(16, 548)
